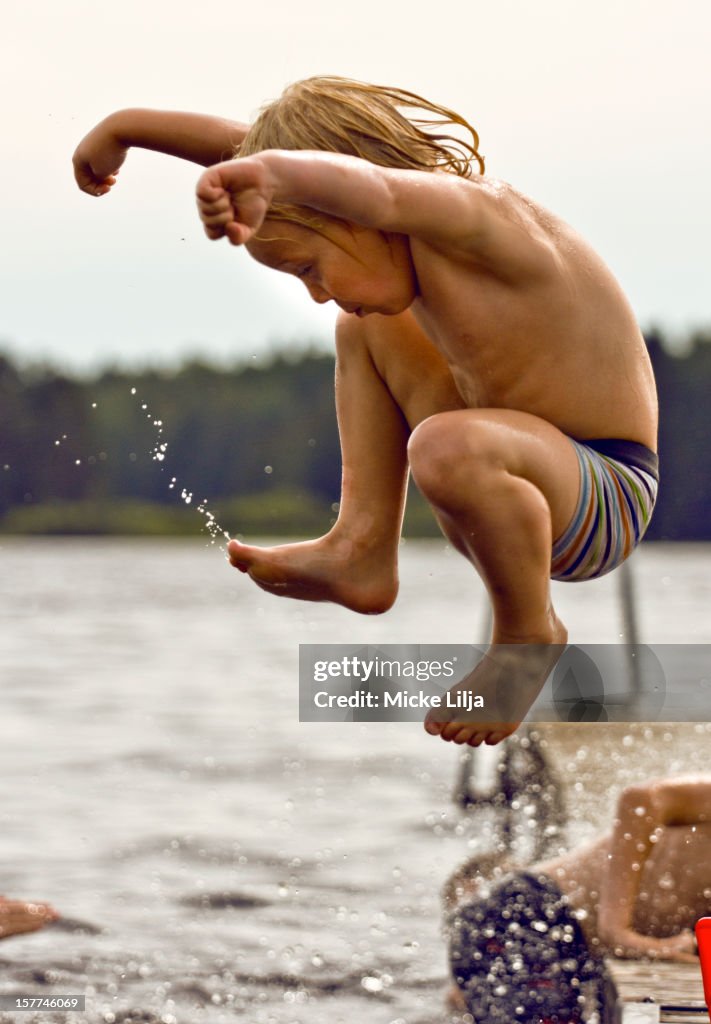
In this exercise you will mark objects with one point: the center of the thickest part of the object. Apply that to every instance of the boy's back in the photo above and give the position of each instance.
(538, 324)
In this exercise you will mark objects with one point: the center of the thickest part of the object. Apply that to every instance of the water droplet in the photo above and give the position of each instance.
(133, 391)
(268, 469)
(371, 984)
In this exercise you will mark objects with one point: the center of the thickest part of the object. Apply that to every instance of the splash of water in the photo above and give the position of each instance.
(158, 453)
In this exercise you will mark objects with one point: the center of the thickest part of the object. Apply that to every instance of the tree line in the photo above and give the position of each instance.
(259, 442)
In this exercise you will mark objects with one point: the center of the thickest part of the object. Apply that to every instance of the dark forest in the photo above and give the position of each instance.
(259, 443)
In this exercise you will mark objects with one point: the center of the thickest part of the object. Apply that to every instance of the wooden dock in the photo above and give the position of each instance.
(659, 993)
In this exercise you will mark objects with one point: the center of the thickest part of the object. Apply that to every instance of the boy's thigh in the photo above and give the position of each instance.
(525, 445)
(414, 370)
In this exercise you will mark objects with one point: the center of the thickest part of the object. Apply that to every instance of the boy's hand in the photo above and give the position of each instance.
(233, 199)
(97, 159)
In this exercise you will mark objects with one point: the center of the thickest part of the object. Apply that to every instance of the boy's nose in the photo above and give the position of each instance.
(318, 294)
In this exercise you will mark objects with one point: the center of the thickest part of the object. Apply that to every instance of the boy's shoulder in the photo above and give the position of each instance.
(509, 202)
(507, 233)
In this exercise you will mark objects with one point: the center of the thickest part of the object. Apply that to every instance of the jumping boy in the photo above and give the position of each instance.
(481, 342)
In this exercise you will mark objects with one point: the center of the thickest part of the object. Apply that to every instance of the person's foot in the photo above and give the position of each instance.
(360, 575)
(507, 679)
(19, 916)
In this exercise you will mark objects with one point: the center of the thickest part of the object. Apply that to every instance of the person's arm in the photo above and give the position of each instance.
(642, 813)
(459, 216)
(201, 138)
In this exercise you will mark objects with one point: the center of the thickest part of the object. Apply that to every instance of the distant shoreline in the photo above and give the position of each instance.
(278, 513)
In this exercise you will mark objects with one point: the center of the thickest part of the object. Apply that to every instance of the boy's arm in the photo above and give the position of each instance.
(461, 217)
(642, 812)
(200, 138)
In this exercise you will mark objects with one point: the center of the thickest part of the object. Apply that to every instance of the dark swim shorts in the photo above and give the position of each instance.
(519, 954)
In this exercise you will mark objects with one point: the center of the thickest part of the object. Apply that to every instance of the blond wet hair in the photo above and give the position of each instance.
(340, 115)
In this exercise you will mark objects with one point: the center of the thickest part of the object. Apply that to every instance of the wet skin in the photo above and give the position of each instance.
(493, 457)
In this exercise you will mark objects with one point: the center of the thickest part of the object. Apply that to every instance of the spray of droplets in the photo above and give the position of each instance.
(158, 454)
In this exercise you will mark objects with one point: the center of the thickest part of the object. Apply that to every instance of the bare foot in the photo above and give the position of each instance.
(360, 575)
(17, 916)
(507, 679)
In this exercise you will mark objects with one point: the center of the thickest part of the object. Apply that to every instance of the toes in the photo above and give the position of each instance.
(239, 555)
(452, 729)
(477, 739)
(463, 732)
(435, 721)
(501, 734)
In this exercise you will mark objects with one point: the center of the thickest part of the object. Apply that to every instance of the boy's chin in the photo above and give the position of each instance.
(393, 308)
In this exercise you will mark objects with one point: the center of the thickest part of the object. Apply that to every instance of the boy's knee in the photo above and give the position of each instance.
(444, 453)
(350, 331)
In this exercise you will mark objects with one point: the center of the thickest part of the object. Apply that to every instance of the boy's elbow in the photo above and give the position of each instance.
(638, 801)
(639, 794)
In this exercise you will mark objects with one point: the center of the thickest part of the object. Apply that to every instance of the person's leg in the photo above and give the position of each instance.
(389, 378)
(20, 916)
(504, 483)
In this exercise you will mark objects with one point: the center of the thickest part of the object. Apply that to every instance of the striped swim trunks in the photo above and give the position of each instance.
(618, 489)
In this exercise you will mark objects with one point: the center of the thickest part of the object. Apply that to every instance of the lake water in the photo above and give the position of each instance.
(216, 860)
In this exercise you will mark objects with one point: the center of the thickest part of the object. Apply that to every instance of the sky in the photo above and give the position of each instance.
(599, 111)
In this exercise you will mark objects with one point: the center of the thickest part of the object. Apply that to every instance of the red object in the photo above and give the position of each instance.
(703, 937)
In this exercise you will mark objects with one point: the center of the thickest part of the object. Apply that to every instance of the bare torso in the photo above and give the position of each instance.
(675, 887)
(561, 343)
